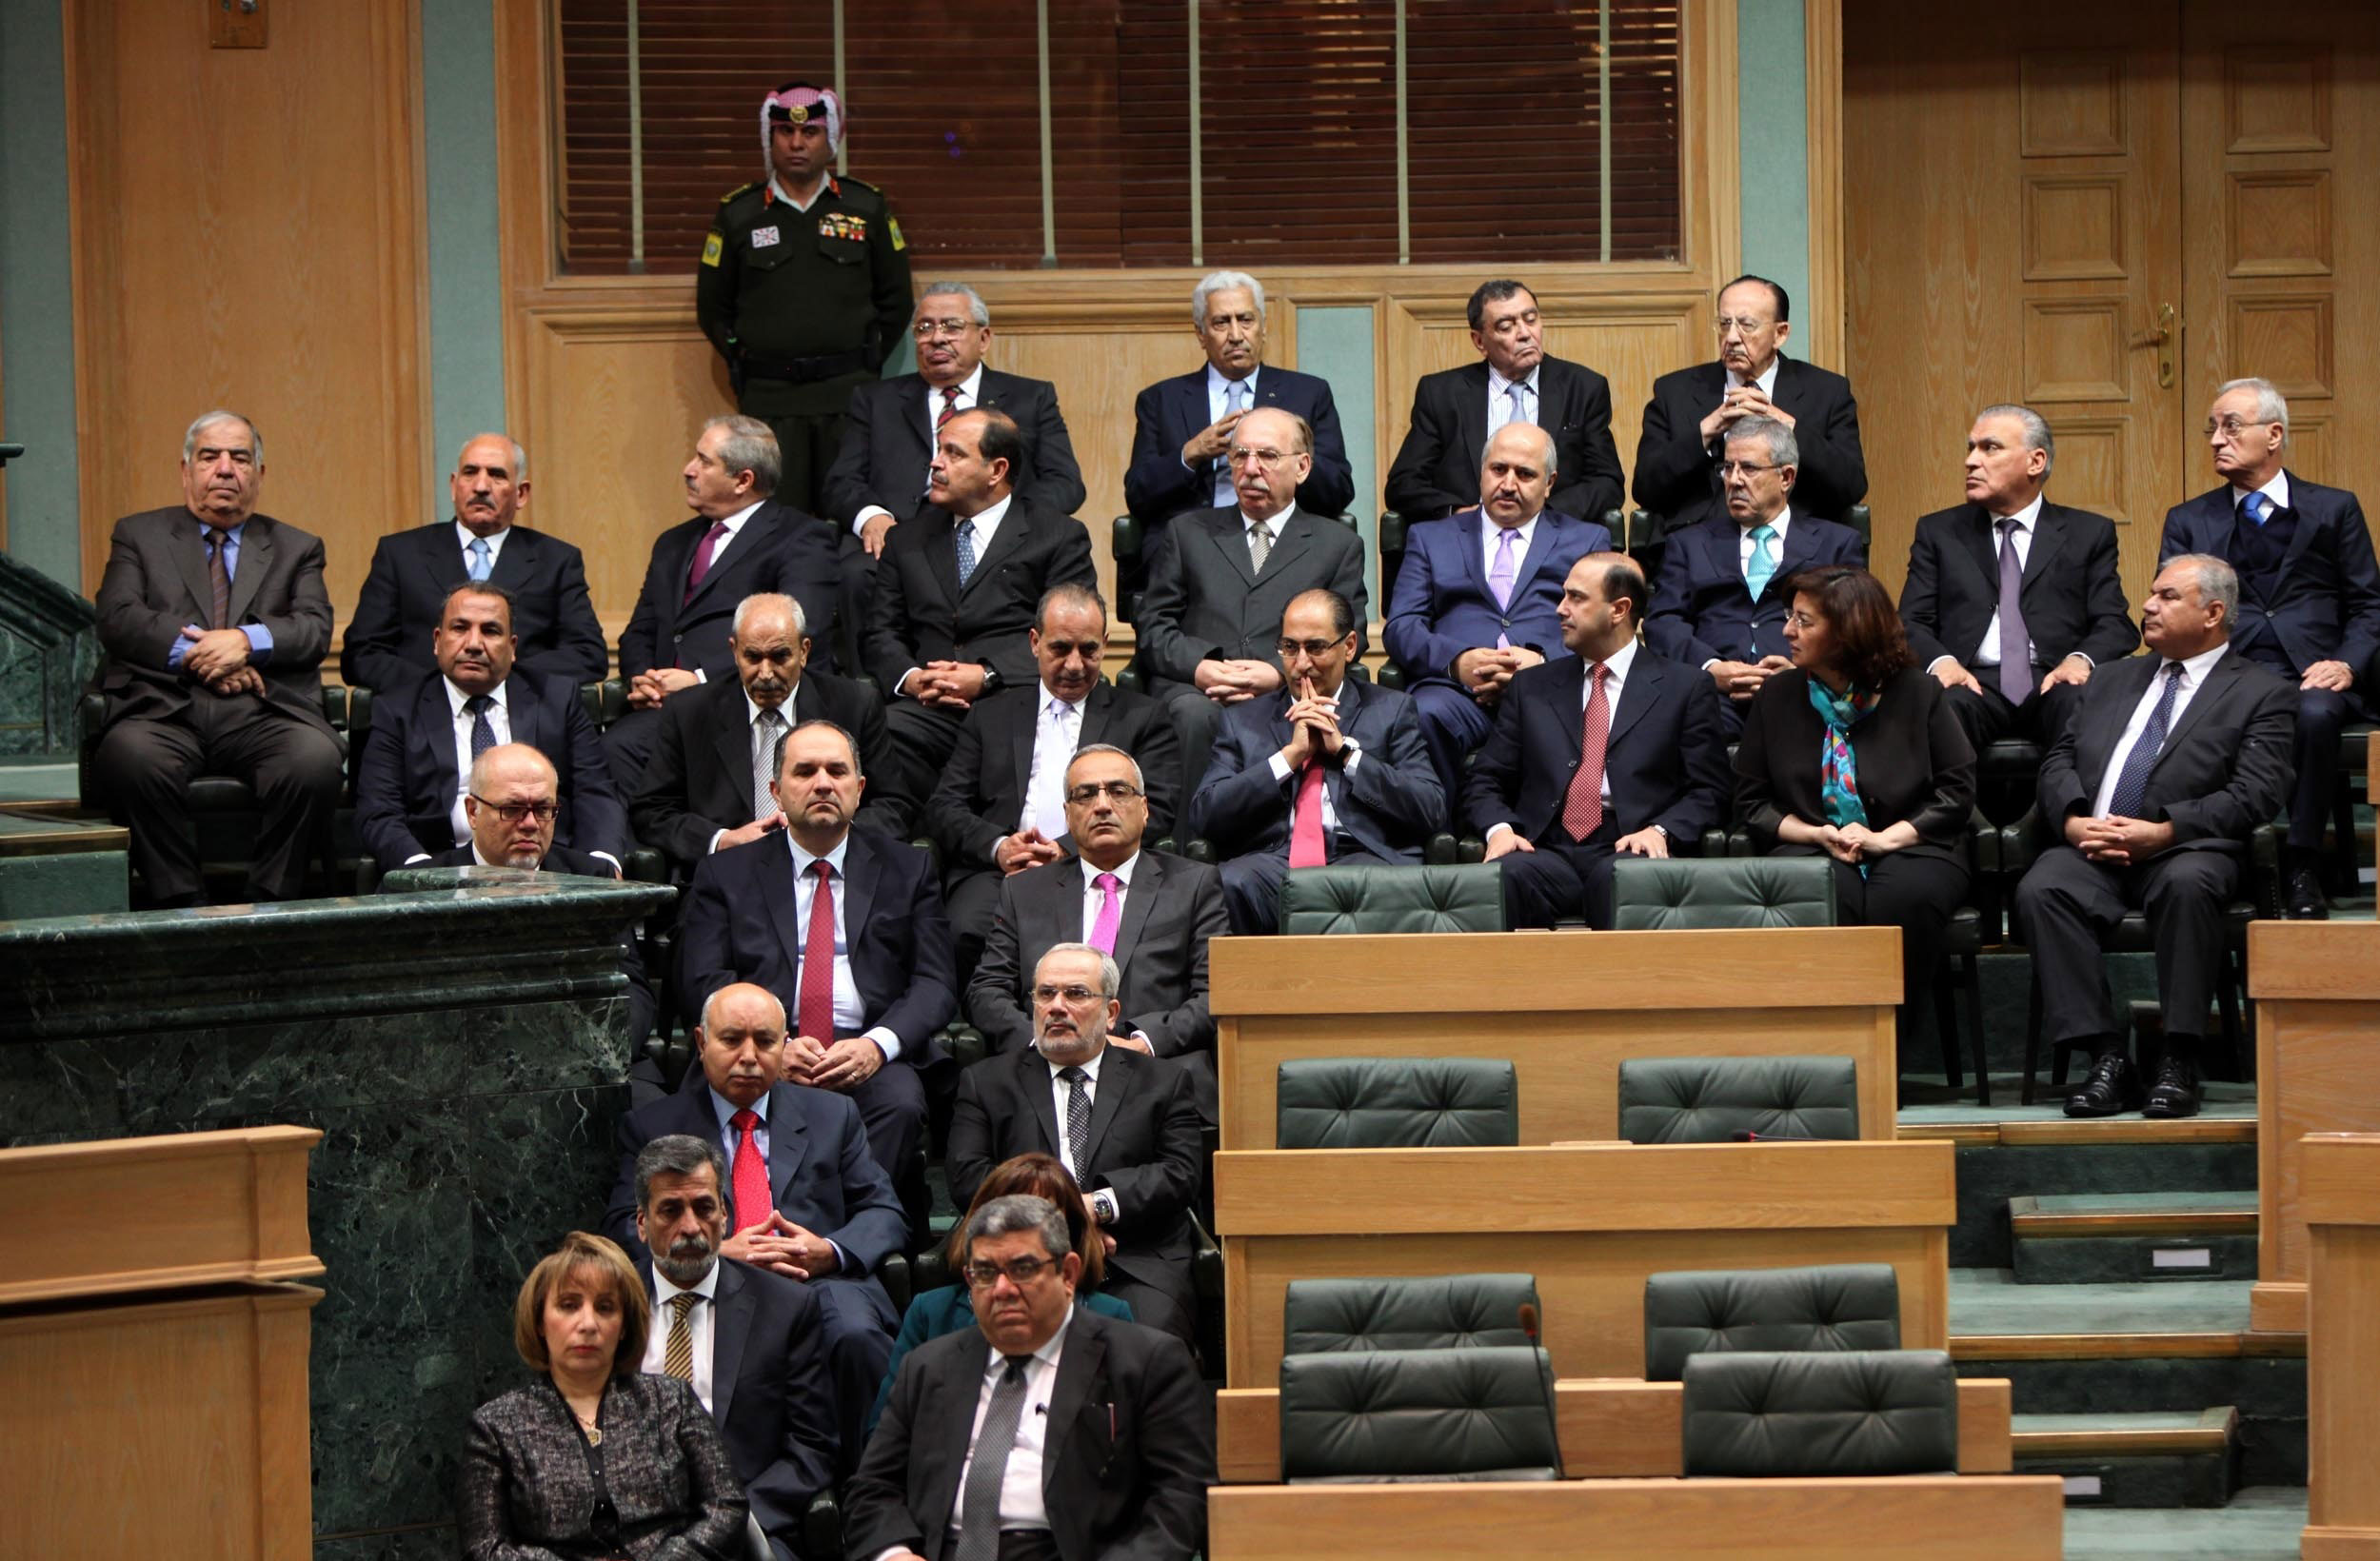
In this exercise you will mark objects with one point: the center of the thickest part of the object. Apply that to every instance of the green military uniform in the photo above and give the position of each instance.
(805, 306)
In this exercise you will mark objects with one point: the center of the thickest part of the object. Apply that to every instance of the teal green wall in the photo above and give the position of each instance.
(467, 359)
(1773, 138)
(1337, 344)
(37, 294)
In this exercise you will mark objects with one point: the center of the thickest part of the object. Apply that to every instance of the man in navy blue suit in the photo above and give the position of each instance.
(1476, 599)
(1180, 427)
(411, 783)
(846, 927)
(1720, 601)
(1610, 749)
(1327, 770)
(2308, 597)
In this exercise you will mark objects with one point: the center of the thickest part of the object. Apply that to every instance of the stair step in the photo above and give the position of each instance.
(1994, 1317)
(2069, 1216)
(2260, 1524)
(2117, 1238)
(2138, 1434)
(2138, 1459)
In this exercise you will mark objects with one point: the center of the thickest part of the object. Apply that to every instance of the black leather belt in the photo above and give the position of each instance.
(805, 371)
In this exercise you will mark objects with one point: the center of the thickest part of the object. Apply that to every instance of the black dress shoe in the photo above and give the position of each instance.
(2307, 902)
(2113, 1087)
(2175, 1092)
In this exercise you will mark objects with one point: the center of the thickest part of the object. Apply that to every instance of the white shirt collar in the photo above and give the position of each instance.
(776, 188)
(1274, 526)
(663, 1290)
(1526, 531)
(1218, 386)
(1091, 1067)
(495, 542)
(988, 519)
(1767, 381)
(1049, 699)
(479, 858)
(1047, 1354)
(1498, 383)
(1779, 519)
(456, 698)
(1122, 871)
(725, 1109)
(802, 859)
(2278, 490)
(752, 710)
(2026, 519)
(1619, 662)
(735, 522)
(970, 392)
(2198, 665)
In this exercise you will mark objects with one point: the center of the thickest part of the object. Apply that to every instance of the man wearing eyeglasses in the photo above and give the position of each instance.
(1153, 913)
(1088, 1437)
(1719, 598)
(2308, 599)
(411, 799)
(1123, 1122)
(1327, 770)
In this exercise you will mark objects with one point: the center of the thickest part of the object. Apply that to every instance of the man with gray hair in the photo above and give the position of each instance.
(2012, 600)
(2310, 600)
(2173, 761)
(1121, 1120)
(1088, 1437)
(1182, 426)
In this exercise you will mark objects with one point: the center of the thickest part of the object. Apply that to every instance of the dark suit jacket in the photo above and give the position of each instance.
(1678, 475)
(156, 584)
(1172, 907)
(405, 785)
(1437, 470)
(980, 795)
(2225, 765)
(1389, 804)
(888, 444)
(1700, 609)
(1913, 759)
(1205, 597)
(2327, 604)
(1129, 1454)
(948, 1308)
(739, 926)
(1442, 606)
(1157, 486)
(922, 613)
(771, 1396)
(778, 549)
(553, 624)
(698, 780)
(1144, 1144)
(2072, 598)
(1665, 752)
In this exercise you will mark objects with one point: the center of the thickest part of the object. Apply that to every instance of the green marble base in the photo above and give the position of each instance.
(463, 1051)
(49, 648)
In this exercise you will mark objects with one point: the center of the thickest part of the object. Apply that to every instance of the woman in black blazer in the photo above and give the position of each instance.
(593, 1461)
(1855, 752)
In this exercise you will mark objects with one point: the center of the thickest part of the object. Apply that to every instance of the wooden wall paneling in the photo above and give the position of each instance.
(1820, 336)
(279, 271)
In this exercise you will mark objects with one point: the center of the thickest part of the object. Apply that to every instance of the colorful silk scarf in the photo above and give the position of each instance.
(1838, 770)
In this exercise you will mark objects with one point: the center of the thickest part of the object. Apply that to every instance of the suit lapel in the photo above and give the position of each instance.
(1636, 697)
(788, 1141)
(2098, 748)
(744, 542)
(731, 1331)
(2219, 679)
(1040, 1094)
(1021, 741)
(1116, 1080)
(1148, 882)
(942, 553)
(1471, 415)
(1297, 536)
(1471, 528)
(1540, 545)
(1801, 546)
(1010, 537)
(922, 400)
(732, 740)
(511, 568)
(187, 545)
(1080, 1364)
(433, 717)
(2224, 501)
(949, 1408)
(1569, 688)
(1228, 537)
(256, 559)
(1978, 534)
(520, 711)
(782, 914)
(2299, 541)
(2049, 534)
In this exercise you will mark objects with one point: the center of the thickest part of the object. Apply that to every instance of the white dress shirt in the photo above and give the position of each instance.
(1500, 409)
(495, 542)
(967, 388)
(735, 525)
(1615, 679)
(2193, 677)
(2278, 490)
(985, 524)
(763, 759)
(1353, 753)
(1056, 729)
(1020, 1505)
(499, 721)
(1106, 1208)
(699, 1323)
(1275, 526)
(1094, 897)
(1491, 541)
(848, 1010)
(1988, 649)
(1766, 381)
(1219, 407)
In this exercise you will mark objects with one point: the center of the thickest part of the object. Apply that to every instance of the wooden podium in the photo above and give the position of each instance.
(154, 1350)
(2338, 1196)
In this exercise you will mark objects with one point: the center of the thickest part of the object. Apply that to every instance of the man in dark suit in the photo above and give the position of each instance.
(411, 786)
(952, 619)
(1687, 421)
(1094, 1440)
(806, 1199)
(1000, 806)
(1180, 427)
(741, 541)
(214, 623)
(387, 644)
(751, 1344)
(846, 927)
(1516, 380)
(1220, 579)
(2173, 761)
(2012, 600)
(1123, 1122)
(706, 788)
(1611, 749)
(1720, 601)
(2308, 599)
(1153, 913)
(1476, 599)
(1329, 770)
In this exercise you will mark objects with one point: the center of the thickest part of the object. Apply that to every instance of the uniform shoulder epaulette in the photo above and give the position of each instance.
(860, 184)
(741, 190)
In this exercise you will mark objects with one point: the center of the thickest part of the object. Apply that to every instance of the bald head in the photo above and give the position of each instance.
(771, 645)
(510, 805)
(1517, 474)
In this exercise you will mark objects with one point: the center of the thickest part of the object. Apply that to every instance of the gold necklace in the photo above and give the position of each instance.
(594, 1432)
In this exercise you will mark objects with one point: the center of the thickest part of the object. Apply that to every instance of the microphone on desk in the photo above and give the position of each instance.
(1552, 1413)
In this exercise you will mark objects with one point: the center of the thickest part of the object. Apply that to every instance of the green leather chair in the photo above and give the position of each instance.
(1443, 1311)
(1712, 1099)
(1468, 1414)
(1442, 897)
(1396, 1102)
(1868, 1412)
(1837, 1306)
(1703, 892)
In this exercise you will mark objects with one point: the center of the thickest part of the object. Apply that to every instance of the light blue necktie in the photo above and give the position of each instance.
(1763, 561)
(1235, 402)
(2257, 507)
(966, 551)
(480, 565)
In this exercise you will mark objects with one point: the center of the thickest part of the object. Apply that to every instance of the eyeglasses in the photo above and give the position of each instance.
(1021, 1270)
(1729, 469)
(1115, 791)
(2231, 427)
(1239, 456)
(1727, 323)
(512, 813)
(1316, 648)
(1072, 994)
(928, 330)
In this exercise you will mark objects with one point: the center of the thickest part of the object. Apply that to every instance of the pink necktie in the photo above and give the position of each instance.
(1306, 822)
(1582, 810)
(710, 544)
(1111, 914)
(815, 1003)
(1500, 578)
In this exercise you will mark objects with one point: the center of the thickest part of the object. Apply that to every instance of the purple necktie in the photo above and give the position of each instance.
(702, 564)
(1111, 913)
(2015, 645)
(1500, 578)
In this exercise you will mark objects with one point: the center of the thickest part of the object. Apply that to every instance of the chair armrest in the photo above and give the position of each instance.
(1199, 850)
(1391, 531)
(1443, 850)
(821, 1525)
(966, 1044)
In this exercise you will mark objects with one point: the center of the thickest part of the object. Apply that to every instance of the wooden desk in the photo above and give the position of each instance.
(1565, 1008)
(1611, 1428)
(1992, 1517)
(2316, 986)
(2338, 1187)
(1592, 1220)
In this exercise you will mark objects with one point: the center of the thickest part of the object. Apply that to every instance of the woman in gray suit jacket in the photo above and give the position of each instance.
(594, 1461)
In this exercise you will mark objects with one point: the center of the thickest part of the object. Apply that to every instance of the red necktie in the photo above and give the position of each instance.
(1305, 821)
(818, 960)
(710, 544)
(753, 1205)
(950, 406)
(1582, 810)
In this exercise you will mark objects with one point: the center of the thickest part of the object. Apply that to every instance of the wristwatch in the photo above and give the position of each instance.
(1103, 1206)
(991, 678)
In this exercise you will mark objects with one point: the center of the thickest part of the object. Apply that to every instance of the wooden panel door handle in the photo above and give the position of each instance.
(2161, 337)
